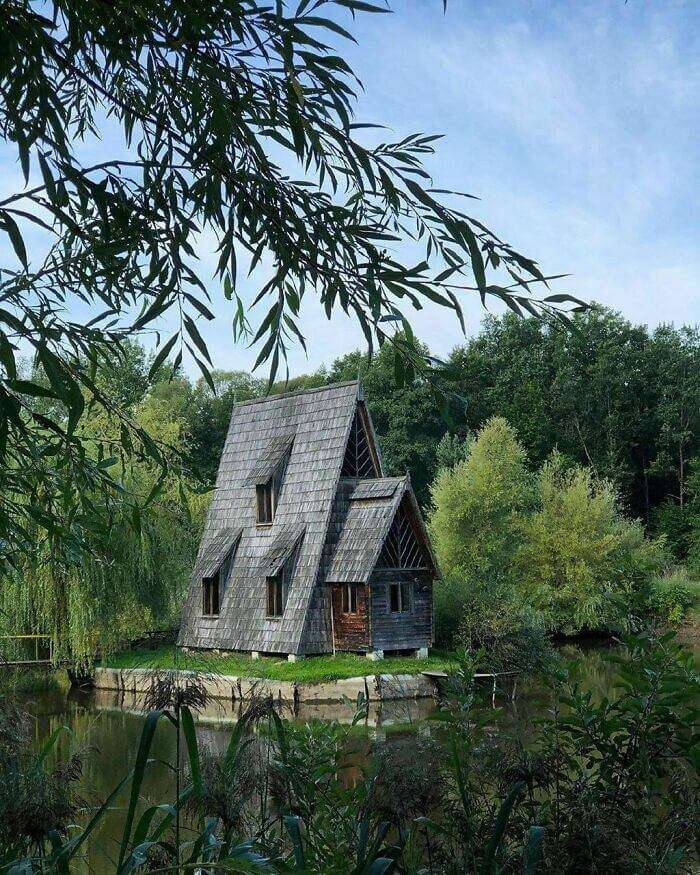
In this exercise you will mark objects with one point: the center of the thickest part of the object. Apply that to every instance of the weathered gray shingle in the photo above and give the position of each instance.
(281, 549)
(382, 487)
(362, 535)
(333, 526)
(213, 552)
(319, 420)
(270, 459)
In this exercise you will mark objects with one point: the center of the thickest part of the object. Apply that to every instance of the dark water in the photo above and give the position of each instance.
(105, 728)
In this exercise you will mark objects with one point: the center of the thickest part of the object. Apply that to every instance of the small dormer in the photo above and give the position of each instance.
(267, 477)
(214, 567)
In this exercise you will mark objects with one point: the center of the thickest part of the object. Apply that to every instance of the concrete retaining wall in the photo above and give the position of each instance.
(374, 689)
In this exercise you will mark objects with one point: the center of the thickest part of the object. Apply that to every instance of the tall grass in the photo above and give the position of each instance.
(604, 786)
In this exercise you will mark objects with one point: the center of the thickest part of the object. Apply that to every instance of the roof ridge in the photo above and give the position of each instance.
(297, 392)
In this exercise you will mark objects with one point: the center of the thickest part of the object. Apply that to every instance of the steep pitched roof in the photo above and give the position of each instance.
(372, 507)
(270, 459)
(320, 421)
(213, 552)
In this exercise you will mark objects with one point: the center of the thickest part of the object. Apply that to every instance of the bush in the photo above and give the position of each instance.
(582, 564)
(673, 595)
(449, 604)
(516, 544)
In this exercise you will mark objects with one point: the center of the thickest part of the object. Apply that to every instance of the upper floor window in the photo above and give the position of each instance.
(360, 458)
(265, 501)
(267, 477)
(402, 548)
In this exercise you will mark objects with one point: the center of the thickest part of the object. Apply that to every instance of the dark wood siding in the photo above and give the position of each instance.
(351, 630)
(407, 630)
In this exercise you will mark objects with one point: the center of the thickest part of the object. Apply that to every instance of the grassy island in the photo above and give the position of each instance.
(309, 670)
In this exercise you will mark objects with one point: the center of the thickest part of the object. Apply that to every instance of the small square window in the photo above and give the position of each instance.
(349, 599)
(265, 503)
(275, 597)
(399, 597)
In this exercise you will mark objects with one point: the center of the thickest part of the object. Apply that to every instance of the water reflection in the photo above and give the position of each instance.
(221, 713)
(106, 726)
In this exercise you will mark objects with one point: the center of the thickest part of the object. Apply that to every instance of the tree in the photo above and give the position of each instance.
(479, 504)
(581, 564)
(677, 357)
(236, 122)
(405, 414)
(134, 573)
(475, 525)
(600, 394)
(210, 415)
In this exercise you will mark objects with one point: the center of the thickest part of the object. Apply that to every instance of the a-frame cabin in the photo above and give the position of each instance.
(308, 548)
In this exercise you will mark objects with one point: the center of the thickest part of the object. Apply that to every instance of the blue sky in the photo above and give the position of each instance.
(577, 125)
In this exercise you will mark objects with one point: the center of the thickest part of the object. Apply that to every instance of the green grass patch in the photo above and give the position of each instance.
(309, 670)
(16, 681)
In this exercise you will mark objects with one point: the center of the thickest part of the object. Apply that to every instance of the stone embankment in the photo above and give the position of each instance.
(375, 688)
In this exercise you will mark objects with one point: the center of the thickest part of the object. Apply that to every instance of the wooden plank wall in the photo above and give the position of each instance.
(351, 630)
(408, 630)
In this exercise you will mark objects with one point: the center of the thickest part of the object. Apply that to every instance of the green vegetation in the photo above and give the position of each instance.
(228, 130)
(21, 682)
(524, 550)
(588, 562)
(310, 670)
(607, 785)
(134, 576)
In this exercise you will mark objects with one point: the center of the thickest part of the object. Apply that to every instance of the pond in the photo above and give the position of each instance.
(105, 727)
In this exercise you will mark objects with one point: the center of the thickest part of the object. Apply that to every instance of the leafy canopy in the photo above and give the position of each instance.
(552, 544)
(231, 121)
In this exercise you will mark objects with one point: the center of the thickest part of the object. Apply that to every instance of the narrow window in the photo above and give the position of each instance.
(210, 596)
(349, 599)
(399, 597)
(275, 606)
(265, 503)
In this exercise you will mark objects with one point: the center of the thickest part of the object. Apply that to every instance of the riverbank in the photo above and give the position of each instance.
(232, 688)
(315, 669)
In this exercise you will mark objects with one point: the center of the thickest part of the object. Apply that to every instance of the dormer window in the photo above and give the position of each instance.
(278, 568)
(265, 495)
(211, 596)
(267, 476)
(214, 567)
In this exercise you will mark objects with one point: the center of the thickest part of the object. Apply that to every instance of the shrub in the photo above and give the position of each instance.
(673, 595)
(581, 562)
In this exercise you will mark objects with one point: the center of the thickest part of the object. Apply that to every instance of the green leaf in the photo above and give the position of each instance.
(162, 355)
(139, 772)
(192, 750)
(11, 228)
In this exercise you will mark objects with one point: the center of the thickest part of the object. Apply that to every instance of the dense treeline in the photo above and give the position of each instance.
(617, 403)
(618, 398)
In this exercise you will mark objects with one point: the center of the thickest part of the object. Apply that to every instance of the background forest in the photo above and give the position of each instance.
(562, 480)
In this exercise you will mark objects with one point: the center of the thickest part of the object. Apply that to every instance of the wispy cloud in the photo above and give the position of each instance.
(577, 125)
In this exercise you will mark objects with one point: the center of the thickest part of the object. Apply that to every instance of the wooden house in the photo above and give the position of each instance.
(308, 548)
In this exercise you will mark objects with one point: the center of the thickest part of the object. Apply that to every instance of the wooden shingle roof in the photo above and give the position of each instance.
(270, 459)
(372, 508)
(319, 421)
(213, 552)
